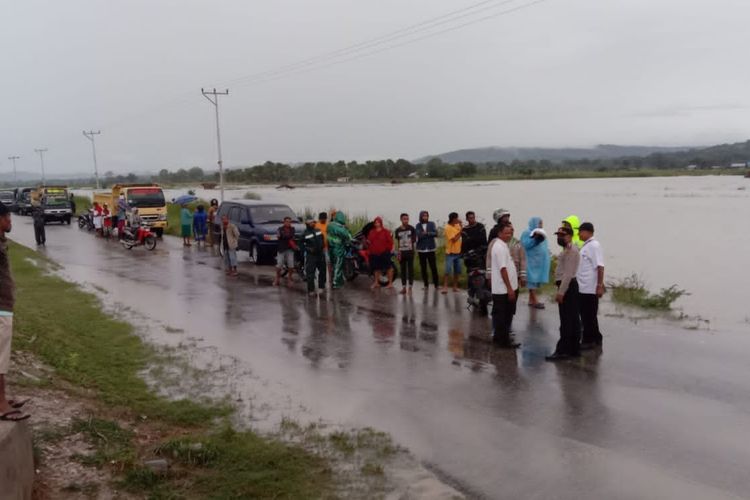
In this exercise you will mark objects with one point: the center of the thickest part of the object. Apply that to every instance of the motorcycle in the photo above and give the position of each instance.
(86, 221)
(479, 289)
(130, 239)
(357, 260)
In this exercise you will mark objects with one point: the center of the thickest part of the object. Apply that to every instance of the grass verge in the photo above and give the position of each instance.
(101, 357)
(173, 216)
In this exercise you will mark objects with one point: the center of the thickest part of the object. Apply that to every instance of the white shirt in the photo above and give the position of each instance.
(501, 259)
(591, 258)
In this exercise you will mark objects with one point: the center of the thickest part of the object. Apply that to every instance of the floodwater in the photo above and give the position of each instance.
(690, 231)
(662, 412)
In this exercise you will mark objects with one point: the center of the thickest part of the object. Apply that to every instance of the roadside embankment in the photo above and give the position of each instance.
(16, 461)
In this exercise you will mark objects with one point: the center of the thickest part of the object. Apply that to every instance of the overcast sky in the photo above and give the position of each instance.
(558, 73)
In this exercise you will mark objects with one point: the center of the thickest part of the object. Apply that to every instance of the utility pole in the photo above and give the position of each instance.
(215, 102)
(15, 174)
(90, 136)
(41, 152)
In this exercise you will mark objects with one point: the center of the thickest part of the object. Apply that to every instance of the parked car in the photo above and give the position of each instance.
(8, 198)
(258, 222)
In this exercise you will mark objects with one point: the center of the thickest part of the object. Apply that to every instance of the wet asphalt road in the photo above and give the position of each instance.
(662, 412)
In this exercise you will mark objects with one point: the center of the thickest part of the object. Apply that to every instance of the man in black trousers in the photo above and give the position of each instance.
(567, 298)
(590, 277)
(39, 231)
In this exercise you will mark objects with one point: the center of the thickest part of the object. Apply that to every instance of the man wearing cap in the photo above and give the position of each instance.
(567, 297)
(590, 277)
(504, 281)
(315, 261)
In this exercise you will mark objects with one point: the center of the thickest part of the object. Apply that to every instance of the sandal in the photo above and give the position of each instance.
(18, 404)
(14, 416)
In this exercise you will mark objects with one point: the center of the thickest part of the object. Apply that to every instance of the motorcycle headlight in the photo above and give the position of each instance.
(163, 217)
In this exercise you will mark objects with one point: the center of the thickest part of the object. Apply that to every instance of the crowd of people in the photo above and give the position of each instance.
(509, 263)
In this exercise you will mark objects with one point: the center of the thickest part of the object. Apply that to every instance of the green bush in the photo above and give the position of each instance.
(632, 291)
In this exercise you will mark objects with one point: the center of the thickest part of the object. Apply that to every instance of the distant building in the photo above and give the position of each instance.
(716, 167)
(413, 175)
(738, 165)
(342, 180)
(691, 167)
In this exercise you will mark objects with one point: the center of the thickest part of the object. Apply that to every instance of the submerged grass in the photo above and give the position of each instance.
(66, 328)
(633, 291)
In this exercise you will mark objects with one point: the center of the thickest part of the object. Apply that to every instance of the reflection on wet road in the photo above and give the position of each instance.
(661, 413)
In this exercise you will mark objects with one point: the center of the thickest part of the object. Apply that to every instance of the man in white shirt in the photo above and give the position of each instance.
(590, 277)
(504, 280)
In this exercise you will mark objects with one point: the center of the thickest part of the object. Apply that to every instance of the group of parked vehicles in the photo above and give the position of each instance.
(53, 200)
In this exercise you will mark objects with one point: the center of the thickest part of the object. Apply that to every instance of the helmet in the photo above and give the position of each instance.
(498, 214)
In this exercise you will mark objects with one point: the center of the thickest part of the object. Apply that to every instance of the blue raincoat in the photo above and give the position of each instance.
(537, 254)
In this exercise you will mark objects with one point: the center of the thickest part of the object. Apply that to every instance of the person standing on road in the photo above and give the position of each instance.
(567, 297)
(473, 239)
(380, 247)
(315, 260)
(98, 218)
(285, 251)
(72, 205)
(590, 277)
(9, 410)
(406, 236)
(199, 224)
(229, 241)
(452, 251)
(504, 281)
(339, 238)
(322, 226)
(574, 223)
(40, 234)
(186, 225)
(534, 241)
(426, 248)
(211, 221)
(517, 253)
(122, 215)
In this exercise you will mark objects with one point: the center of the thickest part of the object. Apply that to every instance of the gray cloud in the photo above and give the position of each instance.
(561, 73)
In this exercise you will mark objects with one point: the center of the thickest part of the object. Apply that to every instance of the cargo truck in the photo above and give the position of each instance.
(147, 198)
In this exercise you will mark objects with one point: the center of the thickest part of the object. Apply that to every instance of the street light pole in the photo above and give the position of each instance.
(90, 136)
(15, 174)
(215, 102)
(41, 152)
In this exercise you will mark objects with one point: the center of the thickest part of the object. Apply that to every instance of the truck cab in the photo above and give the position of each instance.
(24, 201)
(55, 201)
(8, 198)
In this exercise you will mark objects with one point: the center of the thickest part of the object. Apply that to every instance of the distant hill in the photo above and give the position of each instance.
(507, 155)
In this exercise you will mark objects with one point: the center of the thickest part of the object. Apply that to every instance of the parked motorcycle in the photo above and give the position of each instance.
(479, 289)
(357, 260)
(130, 240)
(86, 221)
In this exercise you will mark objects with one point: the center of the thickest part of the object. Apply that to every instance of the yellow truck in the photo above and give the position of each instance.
(54, 200)
(147, 198)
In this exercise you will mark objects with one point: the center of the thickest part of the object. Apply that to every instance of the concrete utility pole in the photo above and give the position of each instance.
(15, 174)
(215, 102)
(41, 152)
(90, 136)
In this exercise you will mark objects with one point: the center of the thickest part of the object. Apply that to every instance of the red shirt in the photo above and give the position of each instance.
(379, 242)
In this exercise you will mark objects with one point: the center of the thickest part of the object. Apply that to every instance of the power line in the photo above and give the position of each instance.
(397, 45)
(303, 66)
(379, 40)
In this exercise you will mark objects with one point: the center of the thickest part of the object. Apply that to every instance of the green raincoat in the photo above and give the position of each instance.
(575, 223)
(338, 239)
